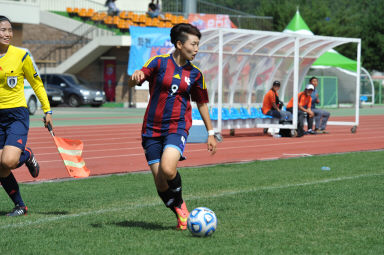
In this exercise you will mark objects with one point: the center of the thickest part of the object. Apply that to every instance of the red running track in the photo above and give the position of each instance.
(110, 149)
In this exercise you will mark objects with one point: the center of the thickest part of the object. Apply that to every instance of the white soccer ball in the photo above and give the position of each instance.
(202, 222)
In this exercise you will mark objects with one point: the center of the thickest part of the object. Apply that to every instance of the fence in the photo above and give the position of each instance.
(239, 18)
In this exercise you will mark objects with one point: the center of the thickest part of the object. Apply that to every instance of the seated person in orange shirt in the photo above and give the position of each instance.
(304, 105)
(272, 105)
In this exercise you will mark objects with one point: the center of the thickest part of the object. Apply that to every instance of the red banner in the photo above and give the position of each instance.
(205, 21)
(110, 79)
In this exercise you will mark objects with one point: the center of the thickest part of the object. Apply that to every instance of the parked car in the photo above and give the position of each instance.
(76, 91)
(55, 96)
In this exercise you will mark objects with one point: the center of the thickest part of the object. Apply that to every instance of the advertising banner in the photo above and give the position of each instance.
(146, 43)
(204, 21)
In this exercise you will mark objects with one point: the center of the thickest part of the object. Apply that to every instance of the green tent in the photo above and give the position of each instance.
(330, 58)
(298, 25)
(343, 67)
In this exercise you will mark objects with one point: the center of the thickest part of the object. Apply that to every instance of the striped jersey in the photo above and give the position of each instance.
(171, 87)
(16, 65)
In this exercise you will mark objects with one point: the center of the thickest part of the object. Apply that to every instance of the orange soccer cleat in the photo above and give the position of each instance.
(182, 216)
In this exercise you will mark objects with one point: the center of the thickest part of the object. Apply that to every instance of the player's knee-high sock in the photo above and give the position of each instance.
(24, 156)
(175, 187)
(10, 186)
(167, 197)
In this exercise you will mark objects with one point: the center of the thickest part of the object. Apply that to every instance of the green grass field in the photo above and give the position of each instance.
(287, 206)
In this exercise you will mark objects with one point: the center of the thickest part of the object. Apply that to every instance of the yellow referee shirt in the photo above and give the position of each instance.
(16, 65)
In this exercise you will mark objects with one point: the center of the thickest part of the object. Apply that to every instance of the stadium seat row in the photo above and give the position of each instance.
(126, 19)
(237, 118)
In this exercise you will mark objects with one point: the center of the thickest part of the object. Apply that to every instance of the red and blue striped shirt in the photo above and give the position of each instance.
(171, 87)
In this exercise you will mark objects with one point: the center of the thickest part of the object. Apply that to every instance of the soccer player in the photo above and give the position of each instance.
(15, 65)
(173, 82)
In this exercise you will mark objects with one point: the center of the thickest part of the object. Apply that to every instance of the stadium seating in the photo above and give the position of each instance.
(235, 118)
(125, 19)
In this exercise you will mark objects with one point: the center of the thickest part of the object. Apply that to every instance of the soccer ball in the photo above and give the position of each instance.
(202, 222)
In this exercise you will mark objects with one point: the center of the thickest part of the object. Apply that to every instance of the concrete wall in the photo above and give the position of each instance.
(94, 72)
(97, 5)
(20, 12)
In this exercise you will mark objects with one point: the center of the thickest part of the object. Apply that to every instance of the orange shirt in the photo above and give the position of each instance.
(268, 101)
(304, 100)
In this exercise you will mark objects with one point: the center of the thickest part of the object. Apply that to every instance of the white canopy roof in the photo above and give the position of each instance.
(253, 42)
(240, 65)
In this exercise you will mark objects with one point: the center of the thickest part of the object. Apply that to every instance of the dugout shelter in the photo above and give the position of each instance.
(240, 66)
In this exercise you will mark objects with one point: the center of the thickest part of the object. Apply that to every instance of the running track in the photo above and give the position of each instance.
(110, 149)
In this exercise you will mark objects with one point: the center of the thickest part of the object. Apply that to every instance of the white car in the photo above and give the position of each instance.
(33, 102)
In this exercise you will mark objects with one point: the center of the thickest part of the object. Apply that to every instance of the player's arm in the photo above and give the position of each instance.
(137, 77)
(211, 143)
(37, 85)
(309, 111)
(274, 103)
(144, 73)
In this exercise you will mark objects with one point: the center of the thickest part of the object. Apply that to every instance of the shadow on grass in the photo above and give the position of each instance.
(141, 224)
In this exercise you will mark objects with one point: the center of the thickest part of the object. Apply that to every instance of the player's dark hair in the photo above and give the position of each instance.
(3, 18)
(312, 78)
(180, 32)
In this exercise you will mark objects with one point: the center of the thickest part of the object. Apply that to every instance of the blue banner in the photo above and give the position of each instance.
(146, 43)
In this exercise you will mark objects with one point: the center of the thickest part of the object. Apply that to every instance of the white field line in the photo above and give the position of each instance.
(84, 131)
(34, 144)
(189, 151)
(278, 141)
(142, 153)
(223, 193)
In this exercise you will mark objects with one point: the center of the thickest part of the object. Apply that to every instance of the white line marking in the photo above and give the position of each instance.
(221, 194)
(299, 154)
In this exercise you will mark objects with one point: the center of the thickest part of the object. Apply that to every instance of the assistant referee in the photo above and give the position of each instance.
(15, 66)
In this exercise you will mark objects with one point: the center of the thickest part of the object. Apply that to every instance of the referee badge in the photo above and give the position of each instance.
(12, 81)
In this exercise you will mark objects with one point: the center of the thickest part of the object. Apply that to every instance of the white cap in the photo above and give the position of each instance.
(310, 86)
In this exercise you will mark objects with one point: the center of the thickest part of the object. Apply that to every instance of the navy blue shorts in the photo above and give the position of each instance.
(14, 127)
(154, 146)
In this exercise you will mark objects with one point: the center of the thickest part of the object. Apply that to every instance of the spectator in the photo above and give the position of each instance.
(321, 116)
(272, 104)
(304, 106)
(153, 9)
(112, 8)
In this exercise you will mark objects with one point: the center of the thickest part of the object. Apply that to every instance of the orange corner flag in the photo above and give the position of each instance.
(70, 152)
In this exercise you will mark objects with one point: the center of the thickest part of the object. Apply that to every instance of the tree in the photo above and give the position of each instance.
(340, 18)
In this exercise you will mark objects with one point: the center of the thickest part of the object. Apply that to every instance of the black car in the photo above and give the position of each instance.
(76, 91)
(55, 96)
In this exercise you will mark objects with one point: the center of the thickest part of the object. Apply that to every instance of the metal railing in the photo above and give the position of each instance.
(239, 18)
(84, 33)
